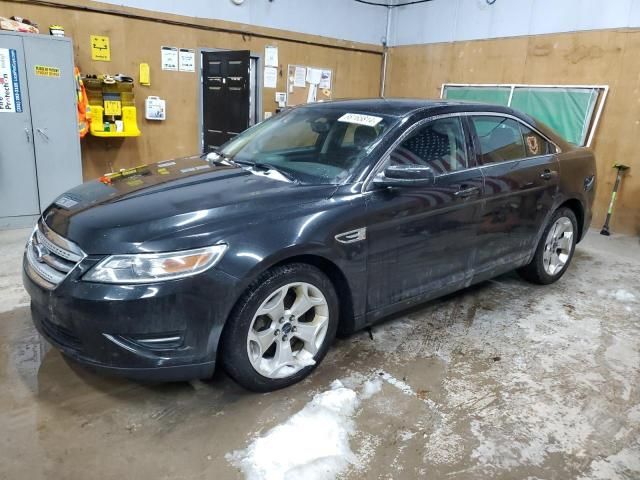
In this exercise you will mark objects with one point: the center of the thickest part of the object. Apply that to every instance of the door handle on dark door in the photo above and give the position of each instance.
(466, 191)
(548, 174)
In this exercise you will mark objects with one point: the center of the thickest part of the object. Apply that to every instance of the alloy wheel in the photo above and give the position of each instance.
(558, 246)
(287, 330)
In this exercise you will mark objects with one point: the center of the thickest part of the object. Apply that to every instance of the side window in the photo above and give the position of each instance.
(534, 143)
(439, 145)
(500, 139)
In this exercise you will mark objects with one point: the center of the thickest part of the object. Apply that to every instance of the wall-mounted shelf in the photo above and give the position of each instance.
(129, 123)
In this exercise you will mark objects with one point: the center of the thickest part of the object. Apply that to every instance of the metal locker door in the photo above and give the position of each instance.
(18, 187)
(54, 115)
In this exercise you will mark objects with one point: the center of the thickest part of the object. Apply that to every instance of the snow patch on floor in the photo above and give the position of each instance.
(620, 294)
(621, 466)
(370, 388)
(312, 444)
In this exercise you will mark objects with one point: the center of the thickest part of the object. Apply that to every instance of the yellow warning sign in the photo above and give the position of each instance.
(100, 48)
(44, 71)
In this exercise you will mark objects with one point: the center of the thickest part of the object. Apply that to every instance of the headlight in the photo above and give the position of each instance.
(154, 267)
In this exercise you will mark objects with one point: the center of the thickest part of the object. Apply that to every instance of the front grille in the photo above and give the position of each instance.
(50, 256)
(60, 334)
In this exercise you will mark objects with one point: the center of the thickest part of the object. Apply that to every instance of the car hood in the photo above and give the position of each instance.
(173, 205)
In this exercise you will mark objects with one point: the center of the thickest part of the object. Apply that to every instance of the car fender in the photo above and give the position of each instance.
(312, 235)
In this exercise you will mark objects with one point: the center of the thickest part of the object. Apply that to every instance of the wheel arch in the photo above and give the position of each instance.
(346, 320)
(577, 208)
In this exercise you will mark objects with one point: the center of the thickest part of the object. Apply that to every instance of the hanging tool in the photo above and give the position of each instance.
(621, 169)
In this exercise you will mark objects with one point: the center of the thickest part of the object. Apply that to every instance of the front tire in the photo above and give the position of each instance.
(555, 249)
(281, 328)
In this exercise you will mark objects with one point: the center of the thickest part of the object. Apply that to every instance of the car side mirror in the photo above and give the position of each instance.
(405, 176)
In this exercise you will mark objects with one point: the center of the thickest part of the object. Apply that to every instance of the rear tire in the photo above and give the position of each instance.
(281, 328)
(555, 249)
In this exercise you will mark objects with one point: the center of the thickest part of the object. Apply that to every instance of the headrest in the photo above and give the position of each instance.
(364, 135)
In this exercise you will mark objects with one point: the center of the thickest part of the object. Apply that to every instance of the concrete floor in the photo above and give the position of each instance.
(502, 380)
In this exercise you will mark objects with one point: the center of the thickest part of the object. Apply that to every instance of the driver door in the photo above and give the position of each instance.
(422, 239)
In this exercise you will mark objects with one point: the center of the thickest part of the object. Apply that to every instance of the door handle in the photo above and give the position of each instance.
(27, 132)
(466, 192)
(43, 133)
(548, 174)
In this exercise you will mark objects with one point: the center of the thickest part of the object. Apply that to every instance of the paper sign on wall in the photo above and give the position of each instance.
(169, 58)
(10, 96)
(314, 75)
(299, 77)
(100, 48)
(325, 79)
(187, 60)
(271, 56)
(270, 77)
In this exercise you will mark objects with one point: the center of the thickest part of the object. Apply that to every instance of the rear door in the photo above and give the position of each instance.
(225, 96)
(421, 240)
(520, 169)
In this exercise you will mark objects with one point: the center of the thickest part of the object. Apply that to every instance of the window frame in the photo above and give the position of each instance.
(386, 156)
(476, 140)
(471, 142)
(468, 148)
(478, 144)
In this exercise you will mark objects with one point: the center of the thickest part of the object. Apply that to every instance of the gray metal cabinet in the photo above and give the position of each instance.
(39, 143)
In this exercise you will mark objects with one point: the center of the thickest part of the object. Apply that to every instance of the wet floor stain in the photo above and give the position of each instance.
(502, 380)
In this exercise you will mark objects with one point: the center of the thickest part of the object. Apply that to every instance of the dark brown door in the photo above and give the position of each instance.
(225, 96)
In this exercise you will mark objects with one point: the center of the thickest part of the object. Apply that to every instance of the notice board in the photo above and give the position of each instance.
(298, 94)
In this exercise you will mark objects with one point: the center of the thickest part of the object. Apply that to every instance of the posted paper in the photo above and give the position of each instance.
(187, 60)
(299, 77)
(325, 79)
(314, 75)
(270, 77)
(169, 58)
(271, 56)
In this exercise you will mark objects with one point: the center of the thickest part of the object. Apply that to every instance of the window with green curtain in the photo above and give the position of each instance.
(495, 95)
(568, 111)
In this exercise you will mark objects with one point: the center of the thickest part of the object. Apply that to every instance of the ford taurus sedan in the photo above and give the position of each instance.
(318, 221)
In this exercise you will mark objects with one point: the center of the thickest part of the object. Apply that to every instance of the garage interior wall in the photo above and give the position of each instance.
(608, 56)
(356, 69)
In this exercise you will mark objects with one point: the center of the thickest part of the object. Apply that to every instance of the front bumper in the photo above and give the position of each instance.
(167, 331)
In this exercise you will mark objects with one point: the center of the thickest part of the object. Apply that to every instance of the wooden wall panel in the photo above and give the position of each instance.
(596, 57)
(356, 73)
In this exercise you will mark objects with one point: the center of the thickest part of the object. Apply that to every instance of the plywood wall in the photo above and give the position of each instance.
(598, 57)
(356, 73)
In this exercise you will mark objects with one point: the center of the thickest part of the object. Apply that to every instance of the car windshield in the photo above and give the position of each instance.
(318, 145)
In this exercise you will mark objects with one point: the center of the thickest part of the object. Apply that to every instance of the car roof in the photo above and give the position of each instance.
(401, 107)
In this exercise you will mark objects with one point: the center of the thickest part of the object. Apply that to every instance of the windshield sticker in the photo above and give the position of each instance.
(360, 119)
(66, 202)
